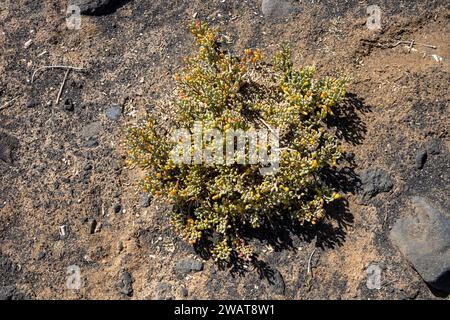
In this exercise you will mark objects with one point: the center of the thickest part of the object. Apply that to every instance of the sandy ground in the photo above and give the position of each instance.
(64, 167)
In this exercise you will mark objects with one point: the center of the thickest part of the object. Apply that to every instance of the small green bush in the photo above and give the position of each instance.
(215, 203)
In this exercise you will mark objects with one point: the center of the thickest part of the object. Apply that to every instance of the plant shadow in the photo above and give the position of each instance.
(347, 122)
(110, 8)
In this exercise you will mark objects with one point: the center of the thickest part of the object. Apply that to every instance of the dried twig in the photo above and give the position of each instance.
(62, 86)
(385, 219)
(54, 67)
(309, 262)
(9, 103)
(287, 149)
(410, 46)
(411, 43)
(268, 127)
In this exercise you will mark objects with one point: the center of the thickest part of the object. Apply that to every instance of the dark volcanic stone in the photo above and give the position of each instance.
(92, 225)
(125, 283)
(7, 145)
(164, 291)
(374, 181)
(68, 105)
(184, 292)
(117, 208)
(424, 239)
(421, 158)
(188, 265)
(41, 255)
(434, 147)
(32, 103)
(144, 200)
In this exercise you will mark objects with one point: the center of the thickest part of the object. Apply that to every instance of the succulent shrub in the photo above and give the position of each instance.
(214, 204)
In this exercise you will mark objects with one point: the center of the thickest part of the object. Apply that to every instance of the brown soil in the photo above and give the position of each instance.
(399, 103)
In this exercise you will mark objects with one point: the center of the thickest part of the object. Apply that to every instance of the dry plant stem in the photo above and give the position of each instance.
(412, 42)
(62, 86)
(268, 127)
(385, 219)
(309, 261)
(9, 103)
(54, 67)
(410, 46)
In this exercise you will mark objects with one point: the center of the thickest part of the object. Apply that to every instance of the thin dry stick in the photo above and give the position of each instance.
(9, 103)
(288, 149)
(413, 42)
(62, 86)
(54, 67)
(268, 127)
(309, 261)
(385, 219)
(410, 46)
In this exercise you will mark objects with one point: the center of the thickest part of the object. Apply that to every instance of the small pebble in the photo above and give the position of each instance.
(117, 208)
(28, 44)
(144, 200)
(92, 226)
(114, 113)
(421, 158)
(184, 292)
(32, 103)
(68, 105)
(91, 143)
(433, 147)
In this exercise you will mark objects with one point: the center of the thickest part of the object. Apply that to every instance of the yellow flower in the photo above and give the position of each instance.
(322, 202)
(314, 164)
(257, 55)
(336, 196)
(210, 36)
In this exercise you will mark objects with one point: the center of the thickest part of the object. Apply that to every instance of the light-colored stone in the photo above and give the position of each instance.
(276, 8)
(424, 239)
